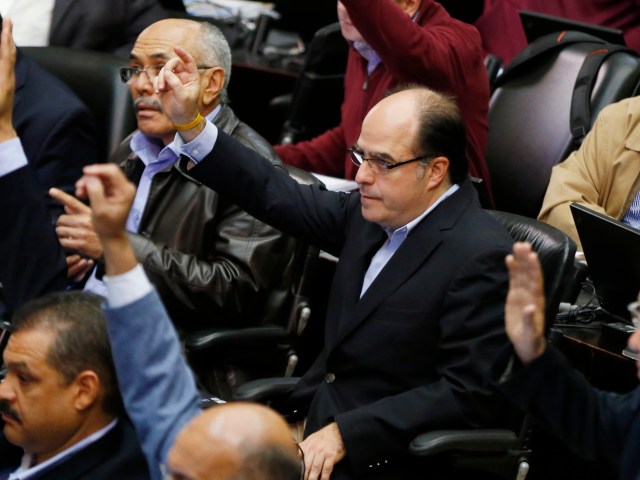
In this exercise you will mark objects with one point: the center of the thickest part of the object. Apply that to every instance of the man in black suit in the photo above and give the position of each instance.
(111, 26)
(416, 306)
(47, 136)
(59, 400)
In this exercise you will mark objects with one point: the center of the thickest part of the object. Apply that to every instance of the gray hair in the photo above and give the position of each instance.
(215, 51)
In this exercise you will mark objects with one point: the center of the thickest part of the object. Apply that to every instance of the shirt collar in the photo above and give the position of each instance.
(405, 230)
(26, 471)
(151, 151)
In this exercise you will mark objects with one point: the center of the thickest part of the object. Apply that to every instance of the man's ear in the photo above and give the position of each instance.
(87, 389)
(214, 78)
(439, 171)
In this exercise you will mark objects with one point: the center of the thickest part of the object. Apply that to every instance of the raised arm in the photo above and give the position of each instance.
(157, 387)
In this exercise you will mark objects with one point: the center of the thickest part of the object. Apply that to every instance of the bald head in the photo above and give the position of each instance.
(235, 440)
(436, 125)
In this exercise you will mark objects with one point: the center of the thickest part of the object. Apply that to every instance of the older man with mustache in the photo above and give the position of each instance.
(209, 260)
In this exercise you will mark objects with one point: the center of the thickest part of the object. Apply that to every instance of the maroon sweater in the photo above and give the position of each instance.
(435, 50)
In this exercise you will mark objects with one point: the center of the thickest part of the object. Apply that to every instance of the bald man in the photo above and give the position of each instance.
(235, 441)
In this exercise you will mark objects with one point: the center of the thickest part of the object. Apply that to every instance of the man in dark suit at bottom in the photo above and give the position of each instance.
(59, 400)
(416, 306)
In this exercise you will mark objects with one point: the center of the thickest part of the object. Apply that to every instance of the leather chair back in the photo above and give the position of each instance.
(529, 120)
(95, 78)
(319, 89)
(555, 250)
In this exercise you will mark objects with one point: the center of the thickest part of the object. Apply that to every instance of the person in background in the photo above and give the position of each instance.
(110, 26)
(394, 42)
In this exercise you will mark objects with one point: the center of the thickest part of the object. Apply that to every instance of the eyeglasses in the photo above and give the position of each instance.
(129, 75)
(378, 165)
(634, 309)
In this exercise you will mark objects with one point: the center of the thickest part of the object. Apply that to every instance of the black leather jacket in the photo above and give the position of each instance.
(212, 263)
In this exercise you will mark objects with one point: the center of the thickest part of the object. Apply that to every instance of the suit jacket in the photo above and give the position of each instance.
(106, 26)
(117, 455)
(412, 353)
(602, 426)
(58, 137)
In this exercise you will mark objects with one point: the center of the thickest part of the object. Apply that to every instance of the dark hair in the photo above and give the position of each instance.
(269, 463)
(81, 339)
(441, 130)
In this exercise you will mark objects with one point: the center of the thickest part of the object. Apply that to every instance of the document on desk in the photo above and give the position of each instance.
(225, 9)
(336, 184)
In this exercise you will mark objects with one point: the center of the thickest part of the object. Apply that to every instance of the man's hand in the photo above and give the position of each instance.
(178, 87)
(322, 450)
(7, 81)
(77, 267)
(525, 305)
(111, 196)
(74, 227)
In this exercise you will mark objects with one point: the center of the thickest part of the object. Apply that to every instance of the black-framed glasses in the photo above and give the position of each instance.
(130, 75)
(378, 165)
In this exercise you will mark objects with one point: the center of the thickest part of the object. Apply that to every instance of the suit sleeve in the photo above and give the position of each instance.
(157, 387)
(32, 262)
(472, 331)
(241, 261)
(592, 423)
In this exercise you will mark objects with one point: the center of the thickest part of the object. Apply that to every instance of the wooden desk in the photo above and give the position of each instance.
(603, 364)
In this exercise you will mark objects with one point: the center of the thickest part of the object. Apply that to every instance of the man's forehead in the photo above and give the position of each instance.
(26, 346)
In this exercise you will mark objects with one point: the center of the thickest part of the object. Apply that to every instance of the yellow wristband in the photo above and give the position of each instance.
(188, 126)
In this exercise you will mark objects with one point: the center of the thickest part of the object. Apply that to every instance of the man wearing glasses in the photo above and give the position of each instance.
(210, 261)
(415, 313)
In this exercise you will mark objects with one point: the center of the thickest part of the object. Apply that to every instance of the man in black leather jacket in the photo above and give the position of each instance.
(212, 263)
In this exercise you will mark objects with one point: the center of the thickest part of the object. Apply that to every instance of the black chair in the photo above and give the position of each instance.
(224, 358)
(502, 452)
(95, 79)
(314, 106)
(530, 114)
(494, 66)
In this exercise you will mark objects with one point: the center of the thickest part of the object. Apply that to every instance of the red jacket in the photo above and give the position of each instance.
(435, 50)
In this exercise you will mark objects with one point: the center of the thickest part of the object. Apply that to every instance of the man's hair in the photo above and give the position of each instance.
(81, 340)
(441, 131)
(268, 463)
(215, 51)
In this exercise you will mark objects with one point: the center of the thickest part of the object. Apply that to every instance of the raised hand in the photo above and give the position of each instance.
(525, 305)
(75, 227)
(178, 87)
(111, 196)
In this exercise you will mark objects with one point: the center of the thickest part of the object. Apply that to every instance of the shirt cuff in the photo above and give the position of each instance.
(127, 288)
(13, 156)
(201, 146)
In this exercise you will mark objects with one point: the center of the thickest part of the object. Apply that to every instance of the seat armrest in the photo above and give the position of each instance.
(266, 390)
(482, 440)
(217, 339)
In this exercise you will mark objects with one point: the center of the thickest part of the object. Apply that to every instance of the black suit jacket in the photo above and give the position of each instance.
(116, 456)
(58, 137)
(413, 352)
(106, 26)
